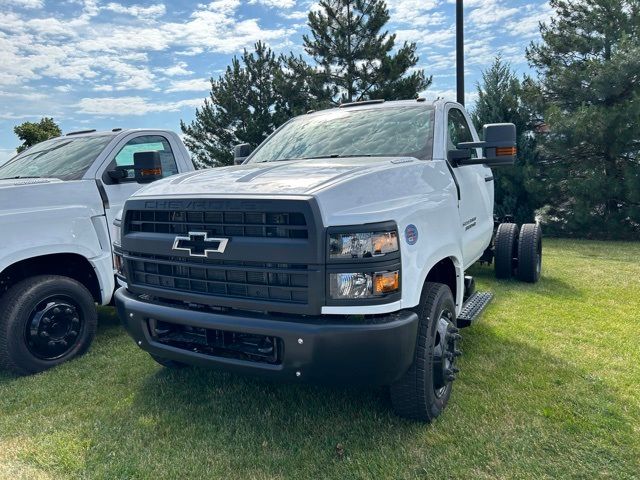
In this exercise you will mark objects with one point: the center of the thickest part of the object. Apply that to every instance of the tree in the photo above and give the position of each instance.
(501, 98)
(249, 101)
(589, 68)
(35, 132)
(353, 56)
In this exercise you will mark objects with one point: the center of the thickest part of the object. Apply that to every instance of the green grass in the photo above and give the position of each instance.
(549, 388)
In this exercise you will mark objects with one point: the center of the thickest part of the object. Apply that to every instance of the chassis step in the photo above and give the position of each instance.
(473, 307)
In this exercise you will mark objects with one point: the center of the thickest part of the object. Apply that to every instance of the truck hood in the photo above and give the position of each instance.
(26, 195)
(295, 177)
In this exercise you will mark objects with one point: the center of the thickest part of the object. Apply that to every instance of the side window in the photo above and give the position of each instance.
(458, 130)
(148, 143)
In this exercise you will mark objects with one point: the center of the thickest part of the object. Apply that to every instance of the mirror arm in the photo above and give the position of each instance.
(469, 145)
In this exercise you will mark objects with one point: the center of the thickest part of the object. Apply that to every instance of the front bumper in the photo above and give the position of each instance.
(317, 349)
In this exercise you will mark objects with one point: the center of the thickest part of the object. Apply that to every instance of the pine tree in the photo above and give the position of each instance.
(354, 56)
(501, 99)
(589, 65)
(249, 101)
(35, 132)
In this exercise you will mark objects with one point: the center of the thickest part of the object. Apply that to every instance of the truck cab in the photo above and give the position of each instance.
(58, 201)
(336, 251)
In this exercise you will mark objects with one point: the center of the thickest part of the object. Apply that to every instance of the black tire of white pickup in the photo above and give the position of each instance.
(424, 390)
(506, 250)
(530, 253)
(165, 362)
(44, 321)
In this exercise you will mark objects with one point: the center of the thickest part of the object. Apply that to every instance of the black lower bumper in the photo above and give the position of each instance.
(320, 349)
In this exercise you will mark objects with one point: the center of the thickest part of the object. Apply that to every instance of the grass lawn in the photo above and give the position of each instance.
(549, 388)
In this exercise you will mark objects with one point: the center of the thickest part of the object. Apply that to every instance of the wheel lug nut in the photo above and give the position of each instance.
(44, 334)
(75, 320)
(73, 333)
(63, 343)
(46, 320)
(51, 343)
(56, 311)
(68, 311)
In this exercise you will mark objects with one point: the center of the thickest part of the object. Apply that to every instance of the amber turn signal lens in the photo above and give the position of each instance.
(505, 151)
(151, 171)
(386, 282)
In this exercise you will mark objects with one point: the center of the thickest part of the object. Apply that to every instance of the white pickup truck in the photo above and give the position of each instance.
(336, 251)
(58, 200)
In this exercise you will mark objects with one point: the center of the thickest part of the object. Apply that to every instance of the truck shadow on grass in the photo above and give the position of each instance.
(516, 411)
(548, 283)
(511, 403)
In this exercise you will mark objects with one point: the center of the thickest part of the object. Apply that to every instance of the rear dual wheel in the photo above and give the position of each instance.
(518, 252)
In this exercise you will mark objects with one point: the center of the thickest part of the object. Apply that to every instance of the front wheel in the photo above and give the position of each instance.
(424, 390)
(45, 320)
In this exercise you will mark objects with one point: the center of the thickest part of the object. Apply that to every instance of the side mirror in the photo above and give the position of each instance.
(117, 174)
(498, 147)
(241, 152)
(147, 166)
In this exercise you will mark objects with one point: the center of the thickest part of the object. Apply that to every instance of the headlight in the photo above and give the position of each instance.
(343, 286)
(362, 245)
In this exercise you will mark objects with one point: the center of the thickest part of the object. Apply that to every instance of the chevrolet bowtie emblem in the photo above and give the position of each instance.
(198, 244)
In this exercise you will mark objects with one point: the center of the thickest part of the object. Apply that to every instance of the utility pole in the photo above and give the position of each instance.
(459, 53)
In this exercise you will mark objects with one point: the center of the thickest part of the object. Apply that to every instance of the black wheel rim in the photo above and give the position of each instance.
(54, 327)
(444, 354)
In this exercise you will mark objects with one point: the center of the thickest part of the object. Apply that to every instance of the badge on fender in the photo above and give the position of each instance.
(411, 234)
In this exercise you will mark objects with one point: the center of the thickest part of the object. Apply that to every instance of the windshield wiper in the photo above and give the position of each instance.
(337, 155)
(20, 177)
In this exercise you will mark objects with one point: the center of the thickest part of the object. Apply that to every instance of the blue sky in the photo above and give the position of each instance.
(103, 64)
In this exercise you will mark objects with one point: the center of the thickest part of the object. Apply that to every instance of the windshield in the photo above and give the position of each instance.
(376, 132)
(64, 158)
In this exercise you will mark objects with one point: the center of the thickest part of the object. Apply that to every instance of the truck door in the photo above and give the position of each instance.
(476, 189)
(118, 191)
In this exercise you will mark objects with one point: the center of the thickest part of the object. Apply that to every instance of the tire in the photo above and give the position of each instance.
(44, 321)
(165, 362)
(530, 253)
(424, 390)
(506, 250)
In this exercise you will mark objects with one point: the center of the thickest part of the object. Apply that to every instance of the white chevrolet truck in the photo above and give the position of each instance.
(336, 251)
(58, 200)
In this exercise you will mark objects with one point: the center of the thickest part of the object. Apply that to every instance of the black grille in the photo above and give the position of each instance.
(275, 282)
(238, 224)
(272, 260)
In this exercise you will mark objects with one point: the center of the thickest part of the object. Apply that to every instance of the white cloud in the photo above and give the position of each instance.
(179, 68)
(414, 11)
(152, 11)
(79, 48)
(30, 4)
(191, 85)
(133, 105)
(487, 13)
(274, 3)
